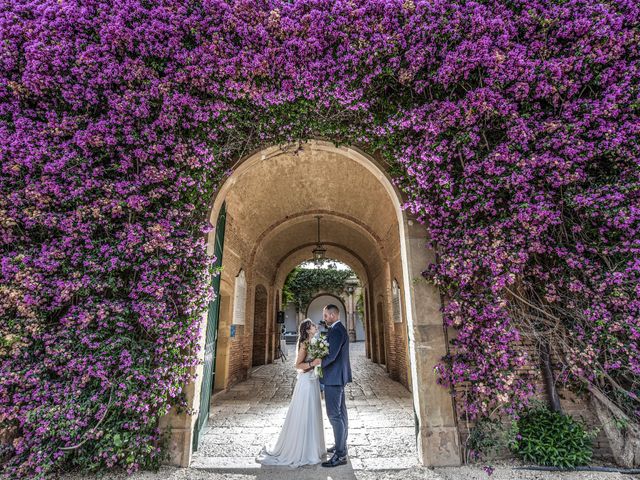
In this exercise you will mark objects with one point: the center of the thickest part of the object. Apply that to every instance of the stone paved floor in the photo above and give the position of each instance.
(250, 415)
(381, 441)
(347, 473)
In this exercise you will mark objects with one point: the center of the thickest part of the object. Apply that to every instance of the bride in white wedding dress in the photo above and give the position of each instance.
(301, 440)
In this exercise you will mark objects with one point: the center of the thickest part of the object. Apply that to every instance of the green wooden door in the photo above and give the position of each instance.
(209, 373)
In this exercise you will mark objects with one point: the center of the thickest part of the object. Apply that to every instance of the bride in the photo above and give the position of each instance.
(301, 440)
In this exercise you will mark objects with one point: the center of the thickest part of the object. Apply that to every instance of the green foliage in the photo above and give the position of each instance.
(360, 305)
(488, 438)
(303, 283)
(552, 439)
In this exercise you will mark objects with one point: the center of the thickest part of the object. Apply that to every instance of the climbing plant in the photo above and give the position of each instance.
(511, 126)
(303, 283)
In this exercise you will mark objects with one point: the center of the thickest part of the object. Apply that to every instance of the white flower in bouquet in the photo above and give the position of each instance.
(318, 348)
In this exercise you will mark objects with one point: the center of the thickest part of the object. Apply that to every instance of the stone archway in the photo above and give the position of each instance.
(347, 306)
(272, 198)
(326, 294)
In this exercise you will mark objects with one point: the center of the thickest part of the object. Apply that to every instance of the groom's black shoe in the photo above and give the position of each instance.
(335, 461)
(331, 449)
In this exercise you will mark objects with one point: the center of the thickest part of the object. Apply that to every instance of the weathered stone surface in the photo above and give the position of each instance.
(250, 415)
(353, 471)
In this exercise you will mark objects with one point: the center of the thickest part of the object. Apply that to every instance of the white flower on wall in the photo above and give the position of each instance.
(239, 299)
(395, 299)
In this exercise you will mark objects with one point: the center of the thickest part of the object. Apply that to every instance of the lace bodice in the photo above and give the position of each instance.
(307, 357)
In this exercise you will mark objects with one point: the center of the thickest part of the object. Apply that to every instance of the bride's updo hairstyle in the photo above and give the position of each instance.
(303, 331)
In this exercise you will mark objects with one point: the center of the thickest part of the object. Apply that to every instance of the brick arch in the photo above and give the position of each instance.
(352, 222)
(294, 257)
(325, 294)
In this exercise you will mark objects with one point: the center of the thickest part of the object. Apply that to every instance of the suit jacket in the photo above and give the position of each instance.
(336, 367)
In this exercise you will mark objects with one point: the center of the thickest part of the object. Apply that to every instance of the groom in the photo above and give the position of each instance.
(336, 373)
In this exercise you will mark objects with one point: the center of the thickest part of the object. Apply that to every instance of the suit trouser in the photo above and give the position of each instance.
(337, 413)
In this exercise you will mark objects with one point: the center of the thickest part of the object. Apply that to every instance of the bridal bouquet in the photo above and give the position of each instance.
(318, 348)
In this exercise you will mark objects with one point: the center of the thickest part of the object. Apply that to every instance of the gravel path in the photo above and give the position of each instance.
(347, 473)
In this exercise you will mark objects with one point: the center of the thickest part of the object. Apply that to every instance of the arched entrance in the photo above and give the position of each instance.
(348, 314)
(329, 297)
(272, 199)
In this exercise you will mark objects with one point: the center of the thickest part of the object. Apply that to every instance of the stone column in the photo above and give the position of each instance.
(373, 323)
(271, 325)
(366, 323)
(438, 441)
(351, 320)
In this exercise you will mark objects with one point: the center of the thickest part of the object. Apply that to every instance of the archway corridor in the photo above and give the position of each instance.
(266, 217)
(251, 413)
(276, 210)
(273, 207)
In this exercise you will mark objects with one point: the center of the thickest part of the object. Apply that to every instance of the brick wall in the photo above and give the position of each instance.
(572, 404)
(237, 371)
(248, 346)
(260, 326)
(400, 333)
(386, 336)
(236, 349)
(401, 353)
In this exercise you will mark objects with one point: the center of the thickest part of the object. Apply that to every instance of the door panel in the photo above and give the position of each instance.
(208, 377)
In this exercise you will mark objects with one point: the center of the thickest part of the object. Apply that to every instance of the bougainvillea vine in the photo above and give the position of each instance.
(511, 126)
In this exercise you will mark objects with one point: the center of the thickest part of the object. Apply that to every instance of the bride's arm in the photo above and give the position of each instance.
(302, 354)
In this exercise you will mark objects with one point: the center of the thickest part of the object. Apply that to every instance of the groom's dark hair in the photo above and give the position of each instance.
(332, 308)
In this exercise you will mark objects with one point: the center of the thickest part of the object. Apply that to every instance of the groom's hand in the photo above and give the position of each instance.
(316, 362)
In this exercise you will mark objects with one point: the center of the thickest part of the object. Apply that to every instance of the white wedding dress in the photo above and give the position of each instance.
(301, 440)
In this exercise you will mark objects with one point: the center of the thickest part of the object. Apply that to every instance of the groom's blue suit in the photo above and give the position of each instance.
(336, 370)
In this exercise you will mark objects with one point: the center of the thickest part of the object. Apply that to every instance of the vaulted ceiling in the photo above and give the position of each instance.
(274, 202)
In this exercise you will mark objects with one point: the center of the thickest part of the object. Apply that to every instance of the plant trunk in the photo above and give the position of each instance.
(549, 379)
